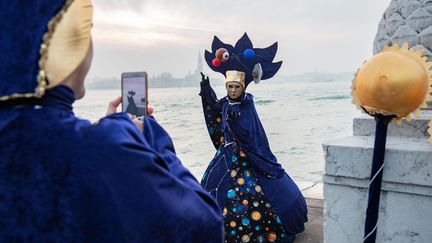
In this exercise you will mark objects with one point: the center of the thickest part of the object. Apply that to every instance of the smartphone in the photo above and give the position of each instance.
(134, 93)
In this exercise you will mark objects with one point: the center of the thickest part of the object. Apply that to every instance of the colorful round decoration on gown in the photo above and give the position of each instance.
(271, 236)
(245, 221)
(231, 194)
(233, 173)
(258, 188)
(256, 215)
(245, 238)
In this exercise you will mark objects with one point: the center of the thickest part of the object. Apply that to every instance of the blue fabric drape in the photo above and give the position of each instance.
(63, 179)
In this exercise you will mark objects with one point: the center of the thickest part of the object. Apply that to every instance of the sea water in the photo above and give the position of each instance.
(297, 117)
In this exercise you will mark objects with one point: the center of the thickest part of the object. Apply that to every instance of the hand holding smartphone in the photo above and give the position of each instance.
(135, 93)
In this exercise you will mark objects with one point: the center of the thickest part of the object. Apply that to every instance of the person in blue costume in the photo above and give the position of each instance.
(131, 107)
(260, 202)
(63, 179)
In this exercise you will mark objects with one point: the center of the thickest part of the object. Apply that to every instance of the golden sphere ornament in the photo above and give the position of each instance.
(394, 82)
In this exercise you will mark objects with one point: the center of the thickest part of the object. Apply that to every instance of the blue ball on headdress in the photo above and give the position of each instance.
(248, 54)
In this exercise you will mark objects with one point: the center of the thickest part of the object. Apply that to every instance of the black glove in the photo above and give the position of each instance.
(204, 80)
(232, 114)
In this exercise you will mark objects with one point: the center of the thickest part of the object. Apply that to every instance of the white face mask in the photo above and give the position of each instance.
(234, 89)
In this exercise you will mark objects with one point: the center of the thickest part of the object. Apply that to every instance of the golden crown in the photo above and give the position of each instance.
(235, 76)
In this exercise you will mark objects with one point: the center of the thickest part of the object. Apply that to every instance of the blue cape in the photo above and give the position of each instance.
(63, 179)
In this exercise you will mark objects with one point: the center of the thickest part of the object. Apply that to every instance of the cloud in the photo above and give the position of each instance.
(137, 24)
(335, 35)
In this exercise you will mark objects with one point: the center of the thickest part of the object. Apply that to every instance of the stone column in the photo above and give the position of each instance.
(406, 200)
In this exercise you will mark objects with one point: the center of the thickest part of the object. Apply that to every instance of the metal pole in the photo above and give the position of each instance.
(371, 224)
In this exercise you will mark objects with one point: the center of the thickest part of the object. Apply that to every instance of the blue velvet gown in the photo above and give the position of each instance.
(260, 202)
(63, 179)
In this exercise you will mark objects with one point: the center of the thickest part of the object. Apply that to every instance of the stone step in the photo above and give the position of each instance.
(407, 160)
(417, 128)
(313, 191)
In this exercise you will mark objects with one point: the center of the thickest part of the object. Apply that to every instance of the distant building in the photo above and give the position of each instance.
(200, 64)
(162, 80)
(193, 79)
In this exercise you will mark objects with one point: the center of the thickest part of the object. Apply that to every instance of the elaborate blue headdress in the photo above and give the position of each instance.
(243, 57)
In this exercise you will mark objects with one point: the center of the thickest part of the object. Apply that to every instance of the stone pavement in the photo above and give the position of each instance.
(314, 227)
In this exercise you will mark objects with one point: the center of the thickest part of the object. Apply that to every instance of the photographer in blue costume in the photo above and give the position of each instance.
(260, 202)
(63, 179)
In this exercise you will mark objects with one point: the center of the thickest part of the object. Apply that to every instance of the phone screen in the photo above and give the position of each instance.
(134, 93)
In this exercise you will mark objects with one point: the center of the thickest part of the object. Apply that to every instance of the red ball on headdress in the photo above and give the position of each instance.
(216, 62)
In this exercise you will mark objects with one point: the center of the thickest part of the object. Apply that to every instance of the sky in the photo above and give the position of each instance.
(167, 35)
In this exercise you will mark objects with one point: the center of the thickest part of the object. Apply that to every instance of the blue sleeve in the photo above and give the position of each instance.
(156, 198)
(209, 97)
(212, 109)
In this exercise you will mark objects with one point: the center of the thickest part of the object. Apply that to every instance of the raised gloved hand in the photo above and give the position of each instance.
(204, 79)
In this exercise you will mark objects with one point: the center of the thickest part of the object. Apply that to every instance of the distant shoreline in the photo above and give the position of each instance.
(193, 80)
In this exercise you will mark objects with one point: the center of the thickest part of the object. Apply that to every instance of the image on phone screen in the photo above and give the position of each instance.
(134, 93)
